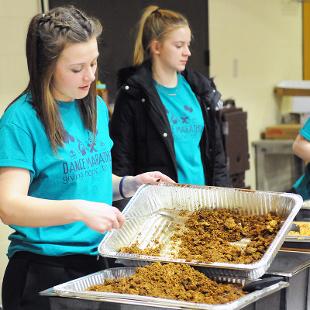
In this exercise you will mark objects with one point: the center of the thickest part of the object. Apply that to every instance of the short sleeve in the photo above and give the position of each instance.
(102, 106)
(305, 131)
(16, 147)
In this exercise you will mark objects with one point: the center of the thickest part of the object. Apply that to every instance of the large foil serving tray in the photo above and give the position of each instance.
(144, 230)
(78, 289)
(299, 238)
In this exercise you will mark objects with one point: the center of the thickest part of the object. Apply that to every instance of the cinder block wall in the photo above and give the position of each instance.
(14, 19)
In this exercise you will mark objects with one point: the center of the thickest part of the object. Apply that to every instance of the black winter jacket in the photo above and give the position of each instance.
(142, 135)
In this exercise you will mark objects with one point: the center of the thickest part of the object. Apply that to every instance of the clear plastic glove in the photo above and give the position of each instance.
(131, 184)
(152, 177)
(99, 216)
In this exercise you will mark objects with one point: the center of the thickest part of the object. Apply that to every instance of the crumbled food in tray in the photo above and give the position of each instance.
(304, 229)
(173, 281)
(209, 236)
(134, 249)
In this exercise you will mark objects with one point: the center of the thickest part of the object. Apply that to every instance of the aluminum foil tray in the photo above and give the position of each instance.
(306, 205)
(302, 216)
(298, 238)
(144, 230)
(78, 289)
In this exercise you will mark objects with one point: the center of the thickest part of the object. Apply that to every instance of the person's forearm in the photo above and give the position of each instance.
(303, 153)
(124, 187)
(36, 212)
(301, 148)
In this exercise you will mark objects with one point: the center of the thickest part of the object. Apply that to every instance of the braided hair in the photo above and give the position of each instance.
(47, 36)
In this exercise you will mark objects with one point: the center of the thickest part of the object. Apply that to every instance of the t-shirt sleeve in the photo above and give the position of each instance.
(305, 131)
(102, 107)
(16, 147)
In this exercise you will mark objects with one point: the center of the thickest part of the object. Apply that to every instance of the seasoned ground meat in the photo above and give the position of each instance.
(134, 249)
(211, 236)
(173, 281)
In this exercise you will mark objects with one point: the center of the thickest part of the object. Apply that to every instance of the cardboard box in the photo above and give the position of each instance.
(282, 131)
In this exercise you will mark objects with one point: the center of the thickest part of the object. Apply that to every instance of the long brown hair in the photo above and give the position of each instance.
(155, 24)
(47, 36)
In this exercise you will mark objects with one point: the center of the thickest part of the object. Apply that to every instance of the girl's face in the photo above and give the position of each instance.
(173, 52)
(75, 70)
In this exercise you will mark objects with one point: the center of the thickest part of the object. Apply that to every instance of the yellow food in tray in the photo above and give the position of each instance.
(304, 229)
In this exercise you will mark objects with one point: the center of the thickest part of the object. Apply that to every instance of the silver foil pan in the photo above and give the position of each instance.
(306, 205)
(298, 238)
(78, 289)
(301, 239)
(144, 230)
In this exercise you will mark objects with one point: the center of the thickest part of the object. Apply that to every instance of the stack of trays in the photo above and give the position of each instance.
(151, 198)
(78, 289)
(144, 230)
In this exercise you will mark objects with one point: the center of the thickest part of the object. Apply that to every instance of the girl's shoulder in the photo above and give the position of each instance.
(135, 79)
(20, 110)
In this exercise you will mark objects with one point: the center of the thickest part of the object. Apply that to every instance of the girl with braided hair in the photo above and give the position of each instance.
(56, 180)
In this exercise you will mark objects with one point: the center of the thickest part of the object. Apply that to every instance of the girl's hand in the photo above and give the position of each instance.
(99, 216)
(130, 184)
(152, 177)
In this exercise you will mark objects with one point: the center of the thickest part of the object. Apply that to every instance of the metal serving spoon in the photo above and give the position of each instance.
(171, 214)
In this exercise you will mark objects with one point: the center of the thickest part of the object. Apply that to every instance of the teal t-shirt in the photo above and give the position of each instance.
(187, 124)
(302, 185)
(81, 169)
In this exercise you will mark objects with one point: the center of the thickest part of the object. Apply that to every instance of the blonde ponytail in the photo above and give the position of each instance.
(139, 49)
(155, 24)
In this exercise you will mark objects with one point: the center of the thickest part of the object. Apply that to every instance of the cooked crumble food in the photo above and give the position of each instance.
(173, 281)
(304, 229)
(134, 249)
(219, 235)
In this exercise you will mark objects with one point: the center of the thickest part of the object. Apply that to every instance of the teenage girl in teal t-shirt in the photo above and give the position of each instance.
(81, 169)
(56, 183)
(166, 115)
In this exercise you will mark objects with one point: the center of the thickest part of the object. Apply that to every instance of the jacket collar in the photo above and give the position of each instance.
(142, 75)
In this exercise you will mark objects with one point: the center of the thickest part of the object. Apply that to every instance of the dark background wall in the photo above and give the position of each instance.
(119, 19)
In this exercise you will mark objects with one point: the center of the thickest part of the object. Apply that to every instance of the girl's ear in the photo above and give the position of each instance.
(155, 47)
